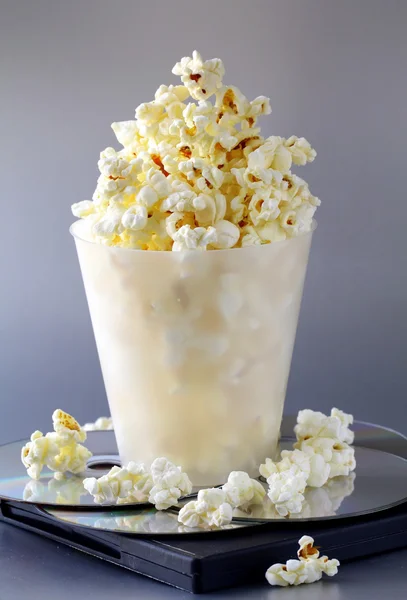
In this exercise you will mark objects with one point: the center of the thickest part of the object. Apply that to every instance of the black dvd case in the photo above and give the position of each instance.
(204, 563)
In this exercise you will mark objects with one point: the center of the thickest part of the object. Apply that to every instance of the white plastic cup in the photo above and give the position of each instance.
(195, 349)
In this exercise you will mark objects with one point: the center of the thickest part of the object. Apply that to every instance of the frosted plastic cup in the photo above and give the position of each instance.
(195, 349)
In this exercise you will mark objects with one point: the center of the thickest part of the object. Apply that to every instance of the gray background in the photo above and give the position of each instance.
(335, 72)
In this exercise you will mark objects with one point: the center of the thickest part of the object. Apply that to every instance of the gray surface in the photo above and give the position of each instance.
(333, 71)
(35, 568)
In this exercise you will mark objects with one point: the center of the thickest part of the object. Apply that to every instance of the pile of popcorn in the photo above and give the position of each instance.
(322, 452)
(307, 569)
(59, 450)
(199, 175)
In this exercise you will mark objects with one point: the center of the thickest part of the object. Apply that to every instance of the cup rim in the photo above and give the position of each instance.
(76, 236)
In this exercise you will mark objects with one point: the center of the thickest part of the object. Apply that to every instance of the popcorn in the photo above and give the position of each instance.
(338, 456)
(127, 132)
(121, 485)
(289, 459)
(59, 450)
(72, 459)
(209, 511)
(201, 78)
(192, 239)
(263, 209)
(259, 106)
(313, 466)
(101, 424)
(271, 155)
(37, 453)
(67, 427)
(315, 424)
(110, 224)
(226, 235)
(307, 569)
(135, 218)
(286, 489)
(293, 572)
(320, 454)
(300, 149)
(163, 485)
(170, 483)
(149, 113)
(308, 553)
(242, 491)
(83, 209)
(201, 164)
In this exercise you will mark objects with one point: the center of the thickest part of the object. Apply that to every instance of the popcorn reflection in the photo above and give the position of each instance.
(67, 490)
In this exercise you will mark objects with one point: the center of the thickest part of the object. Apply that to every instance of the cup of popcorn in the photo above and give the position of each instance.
(193, 253)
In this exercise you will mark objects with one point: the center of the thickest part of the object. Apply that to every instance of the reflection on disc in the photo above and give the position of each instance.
(137, 521)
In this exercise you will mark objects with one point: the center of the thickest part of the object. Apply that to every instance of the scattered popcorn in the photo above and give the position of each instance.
(320, 454)
(209, 511)
(242, 491)
(169, 484)
(121, 485)
(203, 161)
(101, 424)
(37, 453)
(59, 450)
(313, 465)
(293, 572)
(338, 457)
(307, 569)
(67, 427)
(289, 459)
(307, 552)
(286, 490)
(315, 424)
